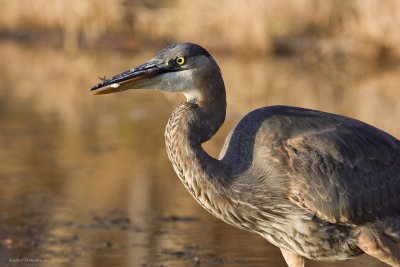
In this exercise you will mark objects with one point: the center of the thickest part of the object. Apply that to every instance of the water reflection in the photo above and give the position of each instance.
(84, 181)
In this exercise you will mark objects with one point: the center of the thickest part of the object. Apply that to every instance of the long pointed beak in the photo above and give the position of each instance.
(129, 79)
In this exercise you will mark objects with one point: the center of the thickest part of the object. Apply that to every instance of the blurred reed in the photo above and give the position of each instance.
(74, 18)
(365, 28)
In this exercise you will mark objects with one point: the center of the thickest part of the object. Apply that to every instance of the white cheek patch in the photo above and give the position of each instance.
(178, 81)
(186, 81)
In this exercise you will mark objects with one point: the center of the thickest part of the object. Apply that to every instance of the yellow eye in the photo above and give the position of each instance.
(180, 60)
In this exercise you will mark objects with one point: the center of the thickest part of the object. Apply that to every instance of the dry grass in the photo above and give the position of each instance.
(368, 28)
(90, 18)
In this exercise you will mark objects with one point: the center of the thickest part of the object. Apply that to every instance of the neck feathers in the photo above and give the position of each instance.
(191, 124)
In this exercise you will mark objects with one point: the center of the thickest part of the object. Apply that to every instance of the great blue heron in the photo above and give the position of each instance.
(317, 185)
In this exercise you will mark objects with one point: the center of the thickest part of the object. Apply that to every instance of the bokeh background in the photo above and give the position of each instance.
(85, 181)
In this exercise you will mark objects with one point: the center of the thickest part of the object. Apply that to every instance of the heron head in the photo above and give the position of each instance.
(181, 67)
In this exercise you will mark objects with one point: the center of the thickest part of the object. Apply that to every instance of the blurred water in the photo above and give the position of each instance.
(85, 181)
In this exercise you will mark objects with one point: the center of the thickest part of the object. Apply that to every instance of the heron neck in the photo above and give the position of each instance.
(191, 124)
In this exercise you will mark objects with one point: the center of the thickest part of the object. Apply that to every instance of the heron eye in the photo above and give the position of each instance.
(180, 60)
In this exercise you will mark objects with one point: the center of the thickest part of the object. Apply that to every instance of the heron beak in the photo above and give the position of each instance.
(131, 79)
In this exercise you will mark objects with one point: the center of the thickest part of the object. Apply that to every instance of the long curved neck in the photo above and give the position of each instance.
(191, 124)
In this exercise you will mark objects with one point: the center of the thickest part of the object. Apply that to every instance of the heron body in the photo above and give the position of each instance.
(317, 185)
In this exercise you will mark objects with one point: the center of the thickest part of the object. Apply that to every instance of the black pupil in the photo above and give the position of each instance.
(179, 60)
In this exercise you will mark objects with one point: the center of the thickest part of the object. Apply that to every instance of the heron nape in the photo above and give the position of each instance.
(317, 185)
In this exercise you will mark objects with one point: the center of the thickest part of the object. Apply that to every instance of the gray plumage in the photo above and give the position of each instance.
(315, 184)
